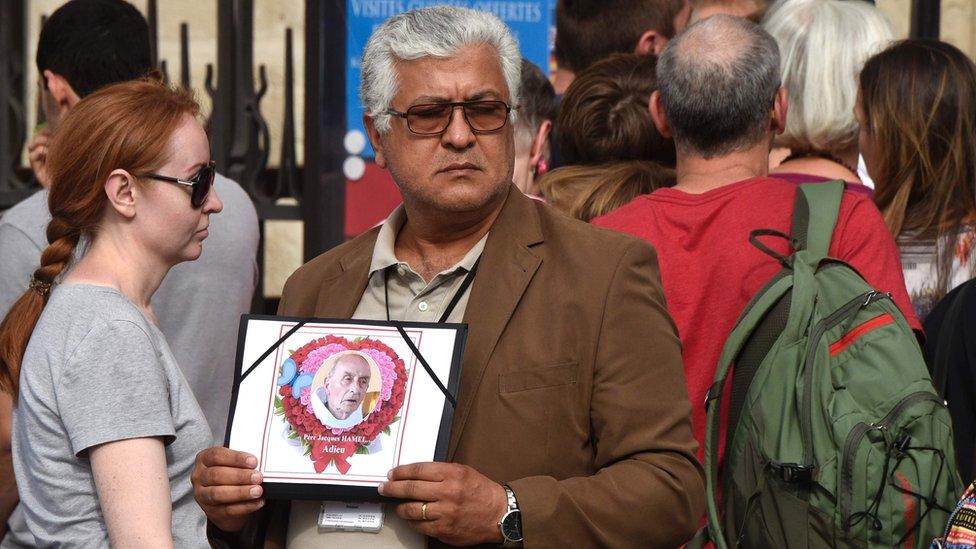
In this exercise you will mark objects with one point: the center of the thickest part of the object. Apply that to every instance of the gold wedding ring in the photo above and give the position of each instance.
(423, 512)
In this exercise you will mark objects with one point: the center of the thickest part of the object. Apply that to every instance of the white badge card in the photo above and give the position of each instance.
(330, 406)
(343, 516)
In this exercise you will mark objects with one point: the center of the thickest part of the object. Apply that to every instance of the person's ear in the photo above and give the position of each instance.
(121, 192)
(658, 115)
(374, 139)
(61, 91)
(651, 42)
(781, 104)
(540, 143)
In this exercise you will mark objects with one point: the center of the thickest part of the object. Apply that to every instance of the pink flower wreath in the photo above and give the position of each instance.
(326, 444)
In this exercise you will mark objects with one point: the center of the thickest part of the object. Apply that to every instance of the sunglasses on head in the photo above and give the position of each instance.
(200, 184)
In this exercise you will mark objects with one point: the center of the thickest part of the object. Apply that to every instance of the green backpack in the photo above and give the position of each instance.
(836, 436)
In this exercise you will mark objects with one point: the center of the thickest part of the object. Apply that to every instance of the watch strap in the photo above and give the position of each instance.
(512, 502)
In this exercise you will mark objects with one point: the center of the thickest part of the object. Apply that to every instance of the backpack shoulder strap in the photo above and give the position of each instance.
(815, 211)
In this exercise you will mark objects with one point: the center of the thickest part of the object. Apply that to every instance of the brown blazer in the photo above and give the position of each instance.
(572, 389)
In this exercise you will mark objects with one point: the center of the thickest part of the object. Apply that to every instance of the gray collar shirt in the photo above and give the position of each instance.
(411, 298)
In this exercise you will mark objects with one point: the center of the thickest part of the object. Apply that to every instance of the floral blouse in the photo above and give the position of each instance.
(918, 262)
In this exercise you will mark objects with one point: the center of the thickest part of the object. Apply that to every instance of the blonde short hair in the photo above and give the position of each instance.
(823, 46)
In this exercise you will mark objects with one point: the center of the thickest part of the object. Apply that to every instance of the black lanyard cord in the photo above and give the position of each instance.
(468, 279)
(465, 284)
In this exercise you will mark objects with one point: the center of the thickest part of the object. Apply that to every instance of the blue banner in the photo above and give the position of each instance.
(532, 22)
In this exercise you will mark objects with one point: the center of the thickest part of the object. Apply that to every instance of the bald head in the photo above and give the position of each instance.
(346, 385)
(351, 361)
(717, 84)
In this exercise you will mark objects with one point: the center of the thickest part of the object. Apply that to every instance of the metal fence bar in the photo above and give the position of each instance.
(324, 189)
(40, 115)
(152, 18)
(926, 17)
(287, 182)
(239, 134)
(184, 56)
(13, 113)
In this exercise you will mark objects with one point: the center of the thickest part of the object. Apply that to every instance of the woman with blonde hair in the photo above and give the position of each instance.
(586, 192)
(105, 427)
(917, 109)
(823, 44)
(611, 150)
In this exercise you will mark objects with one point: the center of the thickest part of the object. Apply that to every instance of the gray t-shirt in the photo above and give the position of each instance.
(198, 305)
(96, 371)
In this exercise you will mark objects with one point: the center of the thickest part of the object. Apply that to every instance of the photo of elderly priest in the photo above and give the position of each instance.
(343, 398)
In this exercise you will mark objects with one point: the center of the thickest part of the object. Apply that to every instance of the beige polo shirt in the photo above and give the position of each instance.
(411, 299)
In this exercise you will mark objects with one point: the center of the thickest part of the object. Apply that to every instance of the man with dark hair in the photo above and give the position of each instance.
(589, 30)
(721, 100)
(77, 53)
(86, 45)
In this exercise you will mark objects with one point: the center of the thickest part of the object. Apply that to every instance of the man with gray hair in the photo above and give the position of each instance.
(572, 427)
(720, 99)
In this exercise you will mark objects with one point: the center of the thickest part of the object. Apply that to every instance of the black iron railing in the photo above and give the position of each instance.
(15, 184)
(238, 130)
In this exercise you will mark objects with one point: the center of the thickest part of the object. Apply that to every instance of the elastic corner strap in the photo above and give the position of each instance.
(403, 333)
(423, 362)
(272, 348)
(815, 212)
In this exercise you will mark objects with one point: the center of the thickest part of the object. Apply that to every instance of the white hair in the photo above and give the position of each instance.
(824, 44)
(438, 31)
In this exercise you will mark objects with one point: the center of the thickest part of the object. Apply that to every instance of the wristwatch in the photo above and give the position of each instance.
(511, 522)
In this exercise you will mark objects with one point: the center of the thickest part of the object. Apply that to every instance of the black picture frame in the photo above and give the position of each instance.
(324, 490)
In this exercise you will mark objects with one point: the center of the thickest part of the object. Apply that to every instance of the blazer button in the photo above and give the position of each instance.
(423, 306)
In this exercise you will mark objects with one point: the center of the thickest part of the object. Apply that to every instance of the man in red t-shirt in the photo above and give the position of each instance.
(721, 100)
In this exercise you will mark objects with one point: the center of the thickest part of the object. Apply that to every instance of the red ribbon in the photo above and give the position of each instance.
(325, 452)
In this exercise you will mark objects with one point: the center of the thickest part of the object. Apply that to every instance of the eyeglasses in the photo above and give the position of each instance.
(200, 184)
(434, 118)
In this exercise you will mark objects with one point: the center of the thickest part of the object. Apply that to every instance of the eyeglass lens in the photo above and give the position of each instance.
(202, 184)
(483, 116)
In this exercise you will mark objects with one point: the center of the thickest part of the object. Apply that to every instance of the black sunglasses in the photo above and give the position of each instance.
(200, 184)
(434, 118)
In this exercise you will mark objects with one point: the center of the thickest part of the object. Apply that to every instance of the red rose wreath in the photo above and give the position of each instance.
(323, 443)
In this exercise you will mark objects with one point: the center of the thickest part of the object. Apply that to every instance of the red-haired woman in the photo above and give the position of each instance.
(105, 427)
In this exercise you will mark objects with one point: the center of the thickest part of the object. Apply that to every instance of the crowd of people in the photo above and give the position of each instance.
(607, 220)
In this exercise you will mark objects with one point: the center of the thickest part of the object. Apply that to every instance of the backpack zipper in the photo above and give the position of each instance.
(850, 336)
(854, 440)
(849, 309)
(847, 471)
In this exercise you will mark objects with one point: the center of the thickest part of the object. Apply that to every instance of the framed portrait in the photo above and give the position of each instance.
(329, 406)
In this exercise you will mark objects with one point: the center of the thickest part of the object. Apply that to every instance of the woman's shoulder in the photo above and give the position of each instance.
(78, 312)
(92, 302)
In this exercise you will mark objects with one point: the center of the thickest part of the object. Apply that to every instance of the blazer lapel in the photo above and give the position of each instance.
(507, 266)
(342, 289)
